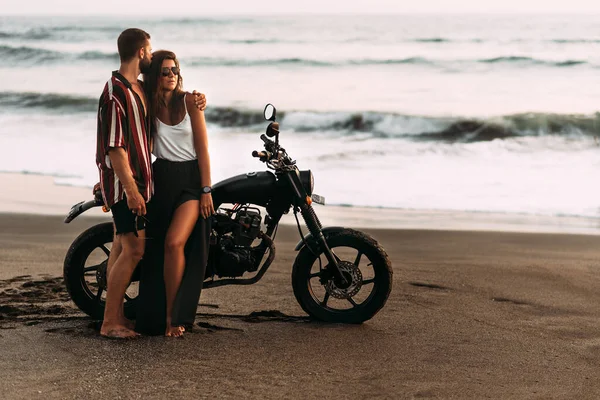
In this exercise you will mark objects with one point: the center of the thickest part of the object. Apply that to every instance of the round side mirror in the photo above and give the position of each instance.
(270, 112)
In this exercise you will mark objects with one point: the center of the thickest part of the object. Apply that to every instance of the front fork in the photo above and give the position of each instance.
(316, 229)
(303, 202)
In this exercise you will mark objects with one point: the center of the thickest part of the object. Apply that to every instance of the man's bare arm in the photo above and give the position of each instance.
(120, 164)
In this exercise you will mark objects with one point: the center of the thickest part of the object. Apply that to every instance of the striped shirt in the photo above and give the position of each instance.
(122, 123)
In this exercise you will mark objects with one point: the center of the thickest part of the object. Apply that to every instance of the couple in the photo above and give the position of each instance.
(136, 119)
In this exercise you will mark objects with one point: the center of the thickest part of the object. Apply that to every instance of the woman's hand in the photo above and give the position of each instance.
(206, 205)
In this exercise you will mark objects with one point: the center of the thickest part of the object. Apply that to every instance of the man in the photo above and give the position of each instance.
(123, 158)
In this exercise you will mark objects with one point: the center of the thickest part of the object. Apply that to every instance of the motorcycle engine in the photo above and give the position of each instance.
(235, 255)
(248, 228)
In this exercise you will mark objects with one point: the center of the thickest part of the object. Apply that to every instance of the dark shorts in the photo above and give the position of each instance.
(175, 182)
(125, 220)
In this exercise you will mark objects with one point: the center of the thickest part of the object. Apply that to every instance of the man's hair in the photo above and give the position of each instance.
(130, 41)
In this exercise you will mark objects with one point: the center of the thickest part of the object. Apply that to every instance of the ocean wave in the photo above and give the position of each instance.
(205, 21)
(32, 34)
(48, 101)
(32, 56)
(295, 61)
(205, 61)
(389, 125)
(517, 40)
(28, 54)
(409, 60)
(259, 41)
(531, 61)
(59, 33)
(97, 56)
(575, 41)
(36, 56)
(371, 124)
(232, 117)
(432, 40)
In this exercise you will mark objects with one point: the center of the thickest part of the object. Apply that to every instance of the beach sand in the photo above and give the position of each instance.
(472, 314)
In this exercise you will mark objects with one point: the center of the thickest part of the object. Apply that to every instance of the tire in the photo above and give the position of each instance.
(303, 280)
(81, 292)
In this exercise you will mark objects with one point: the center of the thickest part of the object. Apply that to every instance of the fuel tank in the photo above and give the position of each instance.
(254, 187)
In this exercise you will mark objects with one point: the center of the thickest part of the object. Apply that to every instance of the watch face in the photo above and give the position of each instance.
(206, 189)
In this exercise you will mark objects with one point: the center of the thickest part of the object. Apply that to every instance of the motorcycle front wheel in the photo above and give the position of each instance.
(364, 264)
(85, 272)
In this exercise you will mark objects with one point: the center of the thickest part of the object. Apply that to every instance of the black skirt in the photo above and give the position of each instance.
(174, 184)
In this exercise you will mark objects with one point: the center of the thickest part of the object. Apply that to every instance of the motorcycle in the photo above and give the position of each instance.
(339, 274)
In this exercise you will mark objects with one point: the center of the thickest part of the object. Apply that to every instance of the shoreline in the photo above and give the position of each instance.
(33, 194)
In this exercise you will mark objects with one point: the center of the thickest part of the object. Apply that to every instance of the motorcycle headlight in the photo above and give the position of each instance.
(308, 181)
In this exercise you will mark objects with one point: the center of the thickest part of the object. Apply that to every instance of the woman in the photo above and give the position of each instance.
(181, 204)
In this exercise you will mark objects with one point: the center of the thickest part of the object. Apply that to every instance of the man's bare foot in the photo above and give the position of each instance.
(129, 324)
(174, 331)
(117, 331)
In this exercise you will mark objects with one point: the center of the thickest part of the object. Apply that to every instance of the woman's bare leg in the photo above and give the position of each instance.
(181, 228)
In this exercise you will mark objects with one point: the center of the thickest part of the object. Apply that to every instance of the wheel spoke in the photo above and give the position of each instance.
(358, 256)
(316, 274)
(351, 300)
(99, 294)
(324, 302)
(92, 268)
(105, 250)
(367, 281)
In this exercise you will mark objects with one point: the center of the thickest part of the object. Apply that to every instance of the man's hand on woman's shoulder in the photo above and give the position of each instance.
(199, 100)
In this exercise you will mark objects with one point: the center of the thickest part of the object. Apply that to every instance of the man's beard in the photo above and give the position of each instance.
(145, 66)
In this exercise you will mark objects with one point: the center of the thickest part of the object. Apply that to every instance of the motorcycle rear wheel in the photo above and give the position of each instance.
(365, 265)
(85, 285)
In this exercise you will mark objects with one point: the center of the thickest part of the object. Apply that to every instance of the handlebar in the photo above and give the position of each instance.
(274, 153)
(270, 146)
(264, 156)
(268, 142)
(259, 154)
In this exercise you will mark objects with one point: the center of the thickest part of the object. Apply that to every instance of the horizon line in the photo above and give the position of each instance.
(303, 13)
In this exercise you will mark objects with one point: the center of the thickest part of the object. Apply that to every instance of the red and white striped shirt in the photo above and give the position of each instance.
(122, 122)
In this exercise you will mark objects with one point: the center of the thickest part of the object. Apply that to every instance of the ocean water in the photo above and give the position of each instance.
(472, 112)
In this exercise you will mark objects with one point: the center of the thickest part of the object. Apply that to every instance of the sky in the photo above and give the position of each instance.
(204, 7)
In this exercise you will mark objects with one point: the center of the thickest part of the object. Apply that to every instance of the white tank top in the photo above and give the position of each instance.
(175, 142)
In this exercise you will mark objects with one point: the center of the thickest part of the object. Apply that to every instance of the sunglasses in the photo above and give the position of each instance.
(166, 71)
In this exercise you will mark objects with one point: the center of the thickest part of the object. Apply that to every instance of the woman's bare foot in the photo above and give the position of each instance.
(174, 331)
(117, 331)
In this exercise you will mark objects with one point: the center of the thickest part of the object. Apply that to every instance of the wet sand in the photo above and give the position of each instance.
(471, 315)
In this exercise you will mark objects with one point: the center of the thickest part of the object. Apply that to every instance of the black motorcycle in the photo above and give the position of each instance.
(339, 274)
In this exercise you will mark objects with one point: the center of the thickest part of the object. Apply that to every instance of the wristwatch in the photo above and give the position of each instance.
(206, 189)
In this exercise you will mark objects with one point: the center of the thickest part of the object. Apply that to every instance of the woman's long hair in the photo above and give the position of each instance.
(156, 96)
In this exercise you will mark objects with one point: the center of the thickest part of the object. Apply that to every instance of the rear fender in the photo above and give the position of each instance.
(80, 208)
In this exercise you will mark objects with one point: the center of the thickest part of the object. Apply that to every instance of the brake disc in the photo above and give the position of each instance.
(354, 281)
